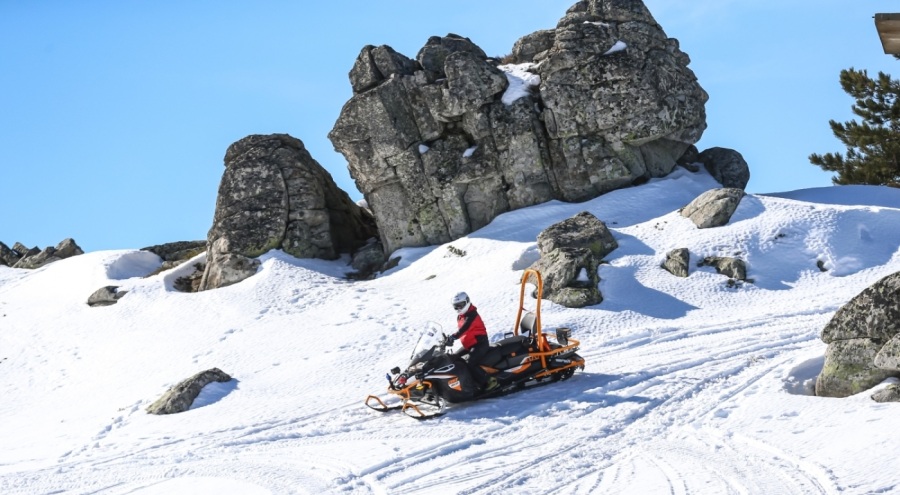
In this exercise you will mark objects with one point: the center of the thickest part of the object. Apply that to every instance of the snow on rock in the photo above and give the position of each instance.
(617, 47)
(520, 81)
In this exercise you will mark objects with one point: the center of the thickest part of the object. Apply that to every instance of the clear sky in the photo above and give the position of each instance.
(115, 116)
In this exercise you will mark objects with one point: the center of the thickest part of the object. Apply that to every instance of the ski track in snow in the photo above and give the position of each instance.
(685, 389)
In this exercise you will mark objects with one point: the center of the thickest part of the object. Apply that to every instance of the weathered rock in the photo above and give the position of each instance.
(888, 357)
(849, 368)
(570, 277)
(177, 251)
(874, 313)
(583, 230)
(180, 397)
(191, 281)
(863, 340)
(713, 208)
(8, 257)
(677, 262)
(227, 269)
(433, 55)
(570, 252)
(730, 267)
(375, 64)
(726, 166)
(23, 250)
(614, 117)
(891, 393)
(367, 260)
(471, 83)
(528, 47)
(65, 249)
(439, 150)
(274, 195)
(106, 296)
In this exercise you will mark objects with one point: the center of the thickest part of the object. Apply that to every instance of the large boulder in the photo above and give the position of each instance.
(571, 252)
(713, 208)
(584, 230)
(726, 166)
(274, 195)
(180, 397)
(849, 368)
(441, 145)
(863, 341)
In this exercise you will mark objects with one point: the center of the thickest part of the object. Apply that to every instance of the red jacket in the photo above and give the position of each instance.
(470, 327)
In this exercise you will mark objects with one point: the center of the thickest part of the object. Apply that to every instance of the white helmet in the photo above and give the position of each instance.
(461, 302)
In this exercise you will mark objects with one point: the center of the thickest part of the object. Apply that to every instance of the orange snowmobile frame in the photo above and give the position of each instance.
(543, 350)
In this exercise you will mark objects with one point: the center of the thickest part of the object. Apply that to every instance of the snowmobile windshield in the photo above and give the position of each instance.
(431, 337)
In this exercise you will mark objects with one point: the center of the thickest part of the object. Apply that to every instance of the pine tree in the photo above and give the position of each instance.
(873, 146)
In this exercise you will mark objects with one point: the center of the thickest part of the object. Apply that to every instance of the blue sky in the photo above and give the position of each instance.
(115, 116)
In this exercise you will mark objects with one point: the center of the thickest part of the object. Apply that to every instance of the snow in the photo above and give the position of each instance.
(423, 149)
(691, 386)
(520, 81)
(469, 151)
(617, 47)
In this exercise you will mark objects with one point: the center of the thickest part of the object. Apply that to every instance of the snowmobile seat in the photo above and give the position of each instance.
(502, 348)
(527, 325)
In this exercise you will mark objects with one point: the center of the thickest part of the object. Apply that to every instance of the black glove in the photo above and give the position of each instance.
(448, 340)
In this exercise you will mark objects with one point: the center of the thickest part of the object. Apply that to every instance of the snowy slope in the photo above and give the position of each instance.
(690, 386)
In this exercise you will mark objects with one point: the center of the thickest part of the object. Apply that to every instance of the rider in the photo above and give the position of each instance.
(473, 336)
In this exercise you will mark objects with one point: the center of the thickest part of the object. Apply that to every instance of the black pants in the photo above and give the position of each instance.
(476, 356)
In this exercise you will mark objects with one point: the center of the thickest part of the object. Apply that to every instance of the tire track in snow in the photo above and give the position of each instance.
(709, 393)
(670, 409)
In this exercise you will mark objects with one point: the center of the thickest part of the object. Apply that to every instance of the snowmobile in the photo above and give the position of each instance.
(525, 358)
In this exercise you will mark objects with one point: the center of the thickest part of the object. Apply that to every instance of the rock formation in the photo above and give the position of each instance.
(863, 341)
(571, 251)
(442, 144)
(20, 256)
(274, 195)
